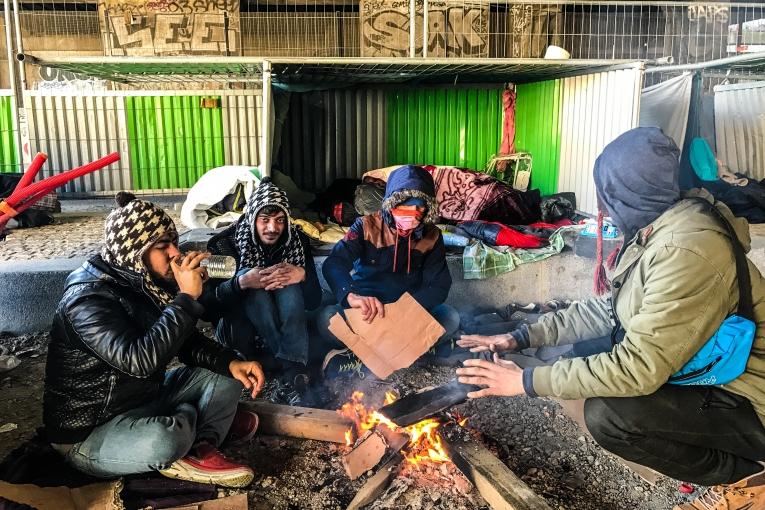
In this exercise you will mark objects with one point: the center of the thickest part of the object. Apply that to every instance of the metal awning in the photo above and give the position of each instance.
(327, 72)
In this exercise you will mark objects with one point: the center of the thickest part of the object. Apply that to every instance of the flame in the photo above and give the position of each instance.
(425, 444)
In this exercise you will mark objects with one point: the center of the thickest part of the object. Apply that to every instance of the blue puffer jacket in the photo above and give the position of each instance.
(372, 247)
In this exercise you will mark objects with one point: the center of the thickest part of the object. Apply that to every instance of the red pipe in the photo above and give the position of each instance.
(57, 180)
(31, 172)
(31, 194)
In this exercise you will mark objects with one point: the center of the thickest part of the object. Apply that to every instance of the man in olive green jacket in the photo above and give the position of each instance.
(674, 284)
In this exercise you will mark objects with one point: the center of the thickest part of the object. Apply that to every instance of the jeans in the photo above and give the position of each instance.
(445, 315)
(194, 404)
(277, 316)
(699, 434)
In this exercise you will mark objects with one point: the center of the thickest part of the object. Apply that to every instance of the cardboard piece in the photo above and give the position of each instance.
(392, 342)
(97, 496)
(236, 502)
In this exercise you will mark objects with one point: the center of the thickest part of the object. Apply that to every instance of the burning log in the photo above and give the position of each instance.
(497, 484)
(419, 406)
(301, 422)
(370, 449)
(377, 483)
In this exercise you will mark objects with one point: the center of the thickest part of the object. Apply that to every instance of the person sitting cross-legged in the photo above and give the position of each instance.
(109, 405)
(386, 254)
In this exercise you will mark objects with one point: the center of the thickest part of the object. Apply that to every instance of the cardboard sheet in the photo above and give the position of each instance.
(98, 496)
(392, 342)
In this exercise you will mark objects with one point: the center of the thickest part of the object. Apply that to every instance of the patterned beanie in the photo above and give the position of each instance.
(130, 230)
(250, 250)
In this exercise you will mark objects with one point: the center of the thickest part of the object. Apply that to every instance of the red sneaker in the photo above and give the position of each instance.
(205, 464)
(243, 427)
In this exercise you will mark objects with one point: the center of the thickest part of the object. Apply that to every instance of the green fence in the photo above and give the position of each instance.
(174, 140)
(9, 156)
(456, 127)
(538, 131)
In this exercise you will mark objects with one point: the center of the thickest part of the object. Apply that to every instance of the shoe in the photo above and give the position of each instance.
(208, 465)
(243, 428)
(286, 391)
(748, 494)
(342, 362)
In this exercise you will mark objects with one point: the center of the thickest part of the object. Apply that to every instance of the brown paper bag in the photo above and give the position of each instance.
(392, 342)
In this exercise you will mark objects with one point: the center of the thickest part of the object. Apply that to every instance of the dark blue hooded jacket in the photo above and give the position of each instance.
(636, 178)
(369, 250)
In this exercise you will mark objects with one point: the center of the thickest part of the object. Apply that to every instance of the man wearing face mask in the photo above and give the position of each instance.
(275, 285)
(394, 251)
(109, 406)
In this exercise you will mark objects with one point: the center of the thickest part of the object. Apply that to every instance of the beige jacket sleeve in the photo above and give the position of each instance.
(583, 320)
(684, 304)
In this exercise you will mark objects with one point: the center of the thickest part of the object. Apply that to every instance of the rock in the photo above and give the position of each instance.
(590, 458)
(435, 497)
(8, 427)
(267, 482)
(532, 471)
(582, 439)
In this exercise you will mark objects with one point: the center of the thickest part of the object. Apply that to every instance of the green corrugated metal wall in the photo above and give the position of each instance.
(173, 140)
(457, 127)
(9, 156)
(538, 131)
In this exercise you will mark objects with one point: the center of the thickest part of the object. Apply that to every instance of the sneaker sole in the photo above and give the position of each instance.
(236, 479)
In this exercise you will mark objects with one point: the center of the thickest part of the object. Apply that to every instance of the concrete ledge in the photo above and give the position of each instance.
(30, 290)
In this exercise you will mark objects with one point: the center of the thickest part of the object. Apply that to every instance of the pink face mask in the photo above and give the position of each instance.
(406, 219)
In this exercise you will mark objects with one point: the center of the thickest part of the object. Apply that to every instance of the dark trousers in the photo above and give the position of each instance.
(278, 317)
(698, 434)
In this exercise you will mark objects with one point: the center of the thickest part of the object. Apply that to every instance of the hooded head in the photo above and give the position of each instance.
(636, 178)
(410, 185)
(141, 238)
(272, 231)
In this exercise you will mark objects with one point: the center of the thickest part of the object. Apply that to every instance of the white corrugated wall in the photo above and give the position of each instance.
(595, 109)
(75, 128)
(241, 125)
(740, 127)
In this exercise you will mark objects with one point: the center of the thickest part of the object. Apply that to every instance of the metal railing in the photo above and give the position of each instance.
(608, 29)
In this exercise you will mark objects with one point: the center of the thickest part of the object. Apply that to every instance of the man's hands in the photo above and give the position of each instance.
(188, 274)
(500, 378)
(271, 278)
(493, 343)
(249, 373)
(282, 275)
(370, 307)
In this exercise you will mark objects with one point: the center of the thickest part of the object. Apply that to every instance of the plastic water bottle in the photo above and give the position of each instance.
(220, 266)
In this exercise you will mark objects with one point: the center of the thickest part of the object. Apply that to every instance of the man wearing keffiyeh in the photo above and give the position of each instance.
(276, 284)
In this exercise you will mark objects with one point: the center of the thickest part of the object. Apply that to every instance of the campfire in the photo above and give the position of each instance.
(424, 442)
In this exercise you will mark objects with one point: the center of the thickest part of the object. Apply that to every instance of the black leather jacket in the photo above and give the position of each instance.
(110, 345)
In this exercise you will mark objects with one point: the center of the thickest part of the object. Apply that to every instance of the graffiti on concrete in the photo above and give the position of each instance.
(170, 27)
(56, 79)
(454, 30)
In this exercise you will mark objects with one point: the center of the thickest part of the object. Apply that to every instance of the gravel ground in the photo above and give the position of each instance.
(532, 436)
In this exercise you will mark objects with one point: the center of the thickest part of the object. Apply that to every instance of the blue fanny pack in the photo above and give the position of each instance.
(724, 357)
